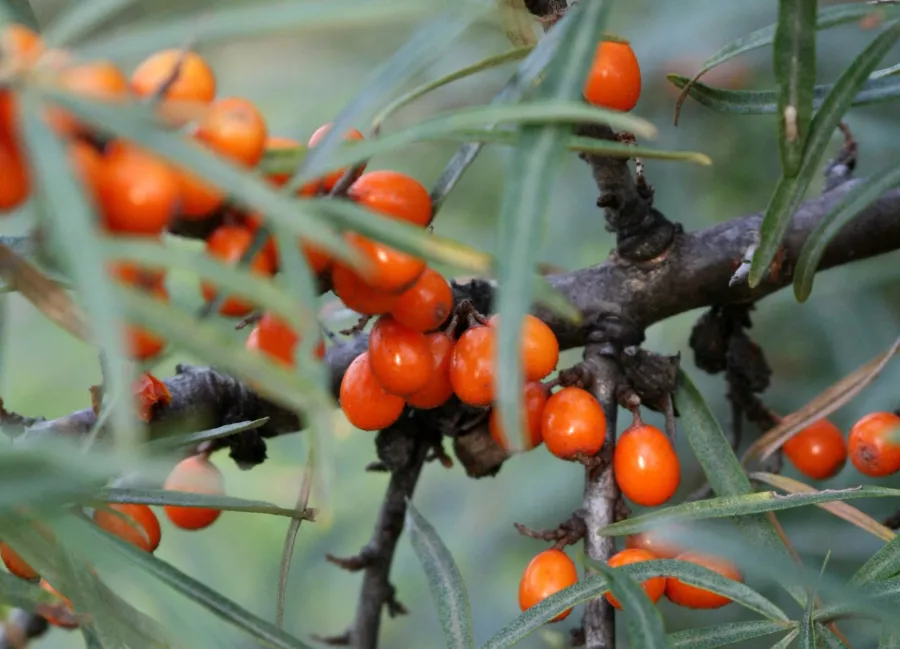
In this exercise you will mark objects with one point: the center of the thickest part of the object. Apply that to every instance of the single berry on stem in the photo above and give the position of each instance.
(438, 390)
(614, 80)
(134, 523)
(389, 270)
(427, 304)
(234, 128)
(573, 423)
(548, 573)
(654, 586)
(366, 404)
(195, 80)
(534, 399)
(400, 357)
(540, 349)
(472, 366)
(818, 451)
(196, 475)
(645, 464)
(393, 194)
(874, 444)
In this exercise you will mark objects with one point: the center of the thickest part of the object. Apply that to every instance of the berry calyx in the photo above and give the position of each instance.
(548, 573)
(695, 597)
(438, 390)
(195, 80)
(874, 444)
(134, 523)
(646, 465)
(366, 404)
(614, 80)
(573, 424)
(654, 586)
(359, 296)
(400, 357)
(540, 349)
(228, 243)
(196, 475)
(329, 180)
(818, 451)
(426, 304)
(472, 366)
(393, 194)
(234, 128)
(534, 400)
(16, 564)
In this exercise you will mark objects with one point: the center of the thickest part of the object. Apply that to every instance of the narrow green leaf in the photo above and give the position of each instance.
(789, 195)
(889, 639)
(484, 64)
(138, 124)
(190, 439)
(723, 469)
(723, 635)
(807, 635)
(876, 598)
(73, 231)
(851, 204)
(794, 58)
(754, 503)
(215, 344)
(786, 641)
(886, 72)
(291, 537)
(446, 584)
(761, 102)
(256, 19)
(829, 638)
(517, 21)
(163, 497)
(20, 11)
(23, 594)
(645, 625)
(80, 18)
(881, 565)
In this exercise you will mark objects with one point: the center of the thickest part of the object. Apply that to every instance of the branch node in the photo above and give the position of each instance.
(354, 563)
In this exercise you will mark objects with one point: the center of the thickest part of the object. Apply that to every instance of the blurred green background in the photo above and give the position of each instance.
(301, 79)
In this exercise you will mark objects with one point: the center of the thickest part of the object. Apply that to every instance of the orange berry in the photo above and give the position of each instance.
(874, 444)
(142, 344)
(646, 466)
(438, 390)
(136, 524)
(534, 400)
(16, 564)
(426, 304)
(652, 543)
(67, 621)
(400, 357)
(21, 42)
(357, 295)
(540, 349)
(472, 366)
(197, 475)
(277, 340)
(88, 166)
(818, 451)
(694, 597)
(138, 192)
(195, 82)
(393, 194)
(366, 404)
(101, 80)
(234, 128)
(614, 80)
(15, 178)
(654, 586)
(573, 423)
(327, 182)
(547, 574)
(228, 244)
(390, 270)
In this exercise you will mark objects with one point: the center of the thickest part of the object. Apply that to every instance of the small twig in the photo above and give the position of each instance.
(569, 532)
(340, 640)
(353, 563)
(251, 319)
(358, 328)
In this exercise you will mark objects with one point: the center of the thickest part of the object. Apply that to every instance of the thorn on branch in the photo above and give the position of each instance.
(353, 563)
(394, 606)
(569, 532)
(340, 640)
(251, 319)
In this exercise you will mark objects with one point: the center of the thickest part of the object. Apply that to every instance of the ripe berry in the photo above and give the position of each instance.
(426, 304)
(234, 128)
(136, 524)
(573, 423)
(328, 181)
(534, 400)
(546, 574)
(472, 366)
(694, 597)
(228, 244)
(366, 404)
(16, 564)
(101, 80)
(874, 444)
(15, 179)
(389, 270)
(88, 166)
(198, 198)
(400, 358)
(67, 621)
(540, 349)
(197, 475)
(195, 80)
(138, 192)
(20, 42)
(393, 194)
(651, 542)
(818, 451)
(357, 295)
(615, 77)
(142, 344)
(654, 586)
(438, 390)
(276, 339)
(646, 465)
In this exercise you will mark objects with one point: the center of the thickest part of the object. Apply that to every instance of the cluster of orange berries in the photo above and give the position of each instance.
(137, 524)
(552, 570)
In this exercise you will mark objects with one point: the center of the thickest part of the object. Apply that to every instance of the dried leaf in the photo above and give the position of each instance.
(151, 394)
